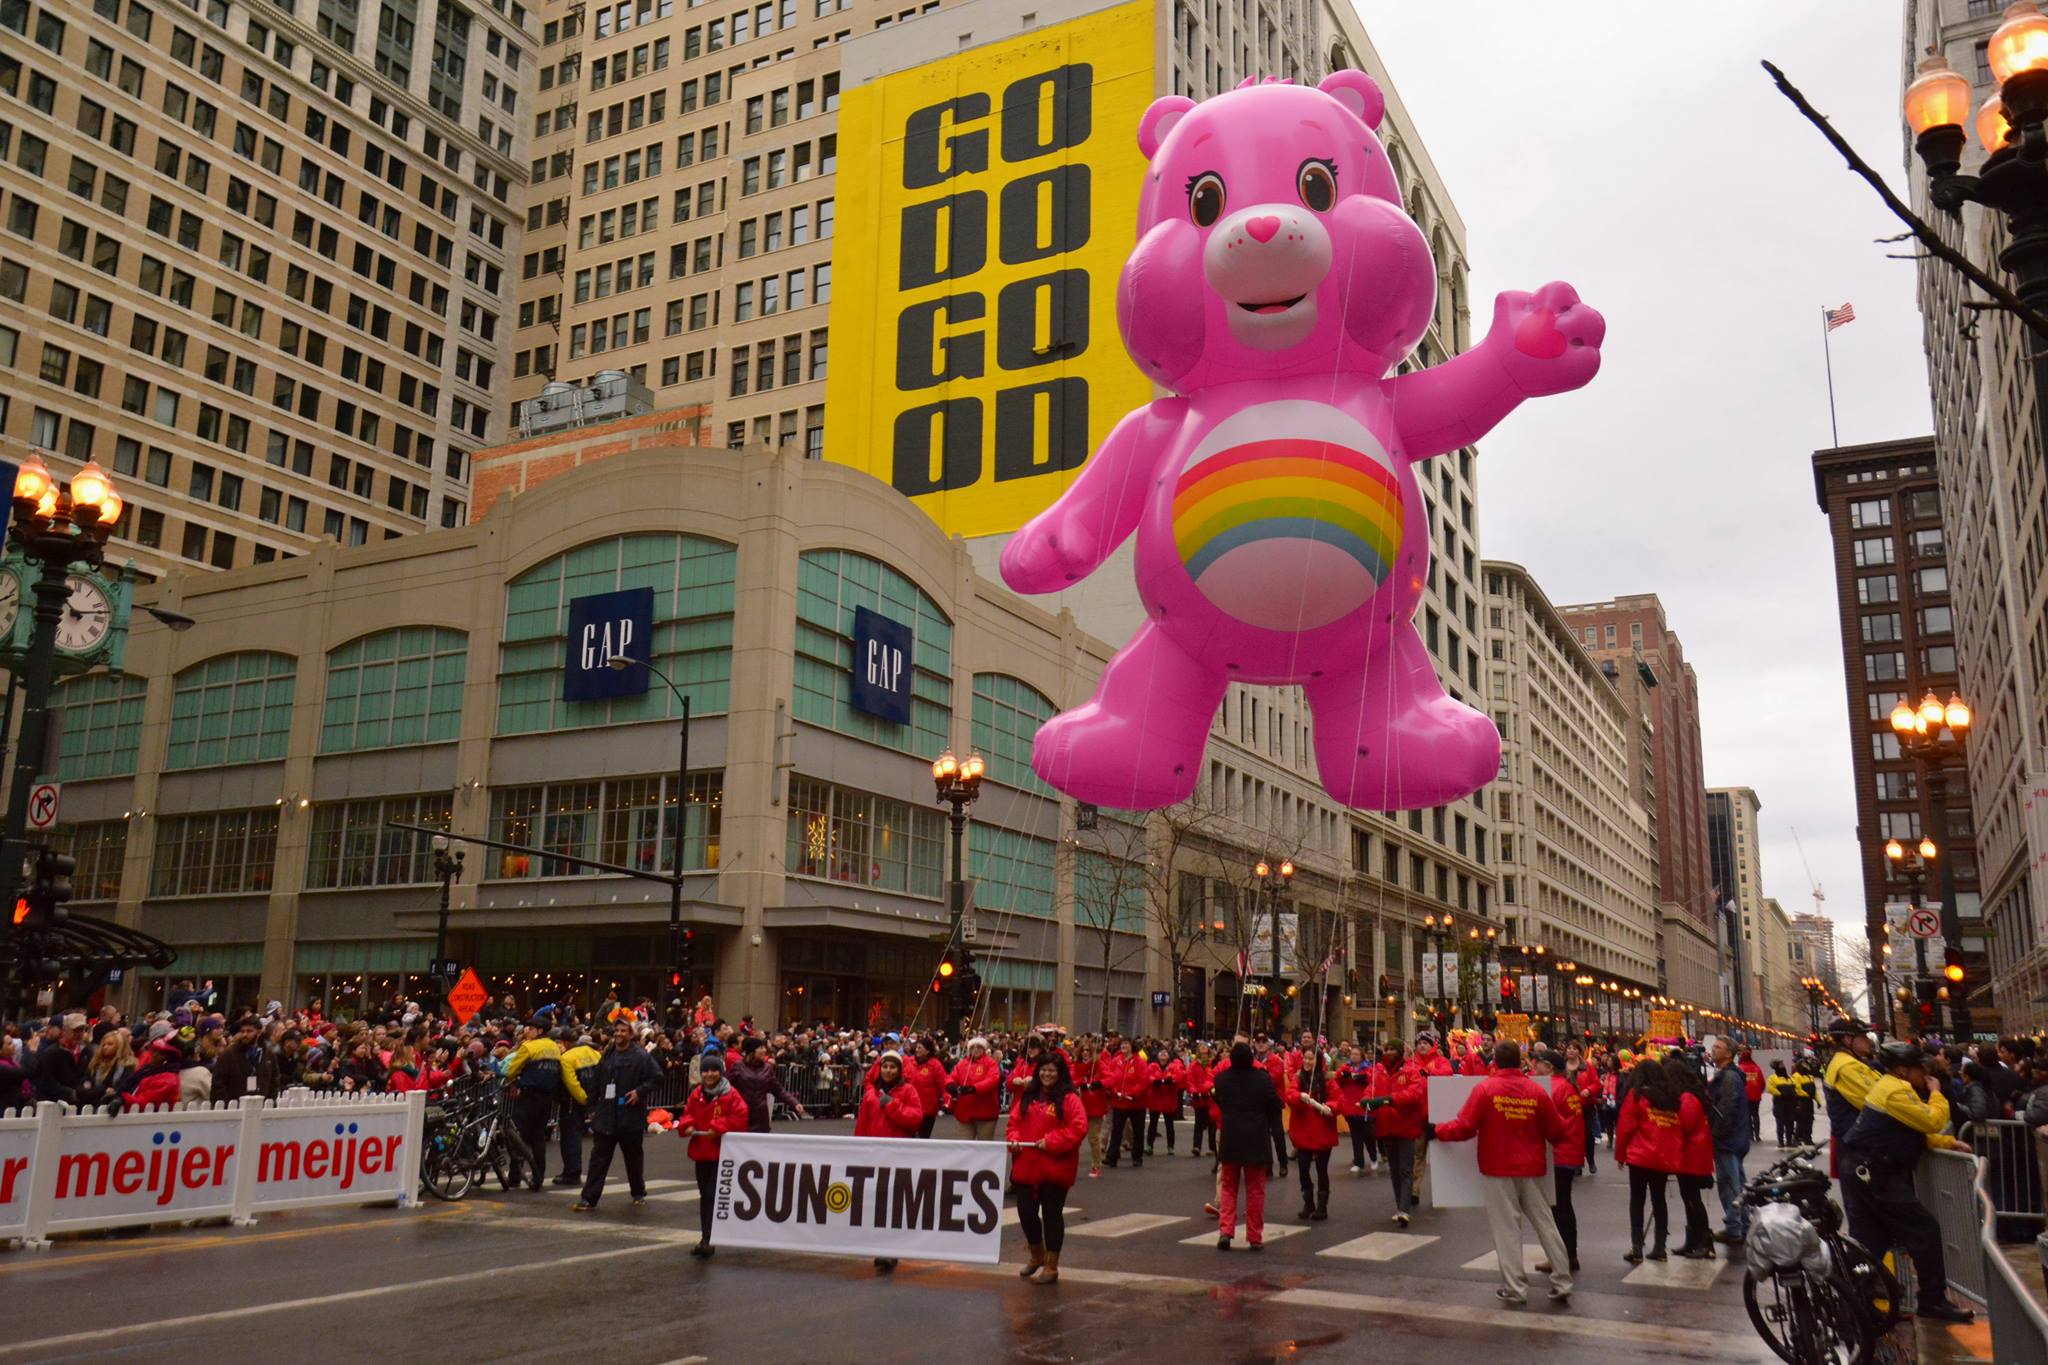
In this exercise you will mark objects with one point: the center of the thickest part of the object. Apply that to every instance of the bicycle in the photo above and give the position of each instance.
(471, 1136)
(1814, 1294)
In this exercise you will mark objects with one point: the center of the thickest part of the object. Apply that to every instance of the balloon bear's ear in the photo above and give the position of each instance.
(1357, 92)
(1159, 120)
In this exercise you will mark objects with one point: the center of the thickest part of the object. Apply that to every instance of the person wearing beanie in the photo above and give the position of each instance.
(976, 1090)
(713, 1110)
(890, 1108)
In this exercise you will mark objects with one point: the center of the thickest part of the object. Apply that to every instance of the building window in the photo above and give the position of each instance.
(1870, 512)
(692, 580)
(1109, 892)
(352, 844)
(99, 848)
(214, 853)
(864, 840)
(1877, 588)
(629, 821)
(236, 708)
(395, 687)
(830, 584)
(100, 725)
(1874, 550)
(1006, 717)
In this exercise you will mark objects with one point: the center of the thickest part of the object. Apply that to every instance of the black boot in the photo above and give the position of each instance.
(1308, 1208)
(1322, 1212)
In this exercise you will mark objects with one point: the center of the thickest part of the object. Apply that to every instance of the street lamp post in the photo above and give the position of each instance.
(1274, 879)
(447, 869)
(620, 663)
(1483, 940)
(1933, 735)
(1914, 865)
(958, 784)
(1439, 930)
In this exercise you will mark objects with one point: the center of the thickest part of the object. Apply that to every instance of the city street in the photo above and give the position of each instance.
(522, 1276)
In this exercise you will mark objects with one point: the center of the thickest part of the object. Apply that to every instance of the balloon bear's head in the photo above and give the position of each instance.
(1271, 239)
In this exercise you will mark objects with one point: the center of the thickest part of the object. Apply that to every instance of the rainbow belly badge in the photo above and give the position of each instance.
(1288, 515)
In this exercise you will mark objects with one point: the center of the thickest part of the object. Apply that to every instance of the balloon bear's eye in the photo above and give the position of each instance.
(1317, 182)
(1205, 198)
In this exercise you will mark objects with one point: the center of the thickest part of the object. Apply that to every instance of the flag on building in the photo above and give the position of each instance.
(1840, 317)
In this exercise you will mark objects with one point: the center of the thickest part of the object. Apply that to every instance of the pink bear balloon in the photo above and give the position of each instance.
(1281, 531)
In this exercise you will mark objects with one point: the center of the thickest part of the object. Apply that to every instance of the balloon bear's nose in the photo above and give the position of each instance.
(1262, 228)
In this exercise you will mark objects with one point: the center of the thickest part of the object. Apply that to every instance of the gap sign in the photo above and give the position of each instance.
(881, 666)
(600, 626)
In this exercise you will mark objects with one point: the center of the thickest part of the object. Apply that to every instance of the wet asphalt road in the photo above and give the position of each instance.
(514, 1277)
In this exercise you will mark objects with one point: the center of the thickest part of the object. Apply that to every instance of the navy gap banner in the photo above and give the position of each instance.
(881, 666)
(600, 626)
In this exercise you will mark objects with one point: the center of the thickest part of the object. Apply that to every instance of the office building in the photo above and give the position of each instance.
(1884, 507)
(253, 260)
(1736, 859)
(1813, 951)
(1988, 458)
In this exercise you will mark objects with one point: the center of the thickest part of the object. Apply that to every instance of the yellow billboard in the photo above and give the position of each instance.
(986, 204)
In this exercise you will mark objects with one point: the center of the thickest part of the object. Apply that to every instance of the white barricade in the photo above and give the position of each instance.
(65, 1170)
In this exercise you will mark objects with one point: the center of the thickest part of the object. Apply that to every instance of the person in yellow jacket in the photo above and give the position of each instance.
(1848, 1077)
(581, 1062)
(1805, 1089)
(1903, 1116)
(1778, 1085)
(539, 1079)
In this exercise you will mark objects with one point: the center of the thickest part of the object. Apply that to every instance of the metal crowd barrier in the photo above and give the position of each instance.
(825, 1091)
(2012, 1175)
(1956, 1188)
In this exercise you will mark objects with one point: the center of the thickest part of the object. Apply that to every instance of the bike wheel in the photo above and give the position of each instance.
(445, 1175)
(1805, 1322)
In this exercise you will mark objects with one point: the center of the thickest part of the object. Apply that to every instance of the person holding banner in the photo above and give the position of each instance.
(1514, 1119)
(1089, 1083)
(1399, 1099)
(890, 1108)
(1046, 1126)
(714, 1109)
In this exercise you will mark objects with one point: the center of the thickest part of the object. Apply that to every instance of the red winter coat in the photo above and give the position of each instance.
(894, 1113)
(929, 1076)
(1165, 1096)
(1514, 1119)
(1589, 1083)
(1752, 1080)
(1475, 1064)
(1063, 1132)
(986, 1076)
(1095, 1103)
(1652, 1138)
(1277, 1067)
(1348, 1089)
(1571, 1106)
(1407, 1093)
(1308, 1129)
(726, 1114)
(1698, 1130)
(1131, 1086)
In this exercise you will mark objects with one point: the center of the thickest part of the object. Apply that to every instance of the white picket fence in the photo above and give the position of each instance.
(64, 1169)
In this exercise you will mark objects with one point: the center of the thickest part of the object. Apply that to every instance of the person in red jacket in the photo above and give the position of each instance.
(1091, 1074)
(1649, 1140)
(1433, 1063)
(1200, 1081)
(1568, 1154)
(1350, 1080)
(1163, 1104)
(1514, 1120)
(889, 1108)
(1047, 1124)
(928, 1074)
(1753, 1091)
(1130, 1091)
(1398, 1100)
(1695, 1172)
(976, 1086)
(1584, 1074)
(713, 1109)
(1312, 1126)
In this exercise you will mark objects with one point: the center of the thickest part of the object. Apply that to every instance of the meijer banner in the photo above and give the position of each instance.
(892, 1197)
(975, 361)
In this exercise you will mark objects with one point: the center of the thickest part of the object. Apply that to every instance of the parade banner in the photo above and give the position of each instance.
(1453, 1179)
(1667, 1024)
(1513, 1028)
(845, 1196)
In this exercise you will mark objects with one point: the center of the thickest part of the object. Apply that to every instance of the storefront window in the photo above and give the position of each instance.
(352, 844)
(625, 820)
(101, 725)
(99, 848)
(236, 708)
(830, 584)
(395, 687)
(850, 836)
(215, 853)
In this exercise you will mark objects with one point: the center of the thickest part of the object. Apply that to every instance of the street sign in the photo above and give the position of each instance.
(1160, 999)
(1923, 923)
(42, 805)
(970, 929)
(468, 997)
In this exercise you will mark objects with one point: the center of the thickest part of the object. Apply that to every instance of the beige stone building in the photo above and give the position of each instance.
(1578, 874)
(1783, 1000)
(1733, 815)
(254, 259)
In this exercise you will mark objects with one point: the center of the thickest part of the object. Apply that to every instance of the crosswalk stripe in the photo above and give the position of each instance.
(1272, 1232)
(1491, 1261)
(1126, 1224)
(1677, 1273)
(1379, 1246)
(1522, 1323)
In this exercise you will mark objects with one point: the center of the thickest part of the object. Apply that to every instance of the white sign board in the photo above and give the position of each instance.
(889, 1197)
(1454, 1179)
(1262, 944)
(43, 799)
(17, 1152)
(1444, 986)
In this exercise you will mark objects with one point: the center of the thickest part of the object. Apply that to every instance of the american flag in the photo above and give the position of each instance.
(1840, 317)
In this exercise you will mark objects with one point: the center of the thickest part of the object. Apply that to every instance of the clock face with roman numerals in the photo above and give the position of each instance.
(88, 616)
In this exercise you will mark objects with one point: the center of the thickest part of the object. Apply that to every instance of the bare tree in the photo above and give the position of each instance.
(1112, 876)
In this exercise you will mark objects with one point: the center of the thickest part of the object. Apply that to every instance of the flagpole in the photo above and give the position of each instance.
(1827, 352)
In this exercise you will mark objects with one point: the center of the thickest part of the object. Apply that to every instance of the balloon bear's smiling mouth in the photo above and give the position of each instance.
(1276, 306)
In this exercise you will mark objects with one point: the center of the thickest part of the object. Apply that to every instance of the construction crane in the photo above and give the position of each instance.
(1819, 896)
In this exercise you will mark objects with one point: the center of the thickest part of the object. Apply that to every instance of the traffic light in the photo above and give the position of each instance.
(1953, 969)
(49, 889)
(688, 963)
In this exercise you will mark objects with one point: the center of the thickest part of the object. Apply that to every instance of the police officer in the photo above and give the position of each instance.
(1902, 1116)
(1848, 1079)
(535, 1069)
(571, 1117)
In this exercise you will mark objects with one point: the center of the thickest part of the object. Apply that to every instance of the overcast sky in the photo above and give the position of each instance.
(1642, 154)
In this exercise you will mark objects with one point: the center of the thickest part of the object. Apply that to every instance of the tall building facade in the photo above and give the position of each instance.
(1577, 870)
(1884, 507)
(253, 260)
(1736, 859)
(1782, 1003)
(1639, 653)
(1989, 458)
(1813, 951)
